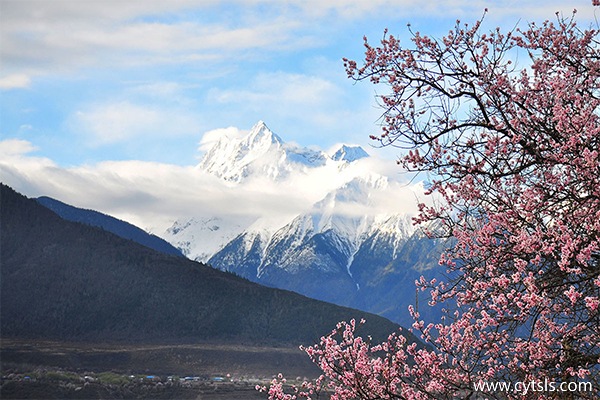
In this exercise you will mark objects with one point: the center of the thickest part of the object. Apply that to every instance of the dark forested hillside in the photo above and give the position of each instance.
(65, 280)
(108, 223)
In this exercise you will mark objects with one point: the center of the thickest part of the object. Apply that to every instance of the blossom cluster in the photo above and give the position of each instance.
(514, 156)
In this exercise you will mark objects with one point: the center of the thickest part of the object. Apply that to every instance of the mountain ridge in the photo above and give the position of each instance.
(109, 223)
(349, 153)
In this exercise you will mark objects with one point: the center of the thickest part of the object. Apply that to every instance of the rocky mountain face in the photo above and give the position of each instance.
(342, 249)
(377, 273)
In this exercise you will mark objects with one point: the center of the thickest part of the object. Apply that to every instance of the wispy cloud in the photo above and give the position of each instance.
(280, 89)
(16, 147)
(40, 36)
(121, 121)
(15, 81)
(44, 36)
(308, 106)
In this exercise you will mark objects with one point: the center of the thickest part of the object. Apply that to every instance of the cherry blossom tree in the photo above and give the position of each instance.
(507, 128)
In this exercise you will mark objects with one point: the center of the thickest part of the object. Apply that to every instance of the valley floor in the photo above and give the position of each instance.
(59, 370)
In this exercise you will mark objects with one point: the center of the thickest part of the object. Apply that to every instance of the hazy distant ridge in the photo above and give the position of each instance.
(108, 223)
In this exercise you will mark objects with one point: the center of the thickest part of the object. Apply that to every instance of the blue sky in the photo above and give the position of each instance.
(86, 82)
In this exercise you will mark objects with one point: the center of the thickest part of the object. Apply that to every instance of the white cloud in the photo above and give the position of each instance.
(213, 136)
(281, 88)
(16, 147)
(44, 36)
(120, 121)
(15, 81)
(22, 170)
(292, 100)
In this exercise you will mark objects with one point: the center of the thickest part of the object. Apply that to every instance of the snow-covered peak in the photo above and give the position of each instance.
(349, 153)
(347, 210)
(261, 136)
(230, 157)
(259, 153)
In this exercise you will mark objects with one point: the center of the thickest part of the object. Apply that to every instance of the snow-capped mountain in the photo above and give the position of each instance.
(373, 269)
(342, 248)
(260, 153)
(263, 154)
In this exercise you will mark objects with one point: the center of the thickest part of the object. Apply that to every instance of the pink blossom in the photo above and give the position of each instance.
(573, 294)
(592, 303)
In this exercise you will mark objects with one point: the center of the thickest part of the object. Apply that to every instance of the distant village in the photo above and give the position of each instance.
(73, 383)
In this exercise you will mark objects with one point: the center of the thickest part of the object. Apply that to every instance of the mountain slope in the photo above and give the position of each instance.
(386, 268)
(65, 280)
(108, 223)
(198, 238)
(302, 258)
(378, 275)
(349, 259)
